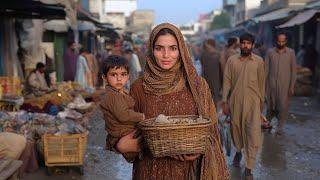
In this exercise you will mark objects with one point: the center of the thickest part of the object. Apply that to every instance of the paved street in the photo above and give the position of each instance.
(294, 156)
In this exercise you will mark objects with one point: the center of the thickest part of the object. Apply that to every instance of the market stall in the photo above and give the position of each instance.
(55, 126)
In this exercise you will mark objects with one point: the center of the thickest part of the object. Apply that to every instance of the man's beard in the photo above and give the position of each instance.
(245, 52)
(280, 46)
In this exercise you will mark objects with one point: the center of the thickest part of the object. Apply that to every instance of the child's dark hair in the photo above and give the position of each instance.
(114, 61)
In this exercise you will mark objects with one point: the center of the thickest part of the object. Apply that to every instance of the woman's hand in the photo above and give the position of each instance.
(186, 157)
(128, 143)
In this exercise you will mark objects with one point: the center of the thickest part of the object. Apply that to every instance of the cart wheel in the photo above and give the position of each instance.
(81, 170)
(49, 171)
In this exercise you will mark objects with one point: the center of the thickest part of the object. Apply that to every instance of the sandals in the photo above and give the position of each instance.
(247, 174)
(237, 159)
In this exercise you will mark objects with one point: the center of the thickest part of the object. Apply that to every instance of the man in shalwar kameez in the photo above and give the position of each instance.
(243, 98)
(280, 67)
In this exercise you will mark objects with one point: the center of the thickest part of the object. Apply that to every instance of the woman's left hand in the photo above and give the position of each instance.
(186, 157)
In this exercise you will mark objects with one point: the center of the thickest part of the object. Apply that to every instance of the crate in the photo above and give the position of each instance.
(11, 86)
(64, 150)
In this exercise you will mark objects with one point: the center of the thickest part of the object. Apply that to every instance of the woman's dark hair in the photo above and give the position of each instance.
(232, 41)
(40, 65)
(114, 61)
(248, 37)
(162, 32)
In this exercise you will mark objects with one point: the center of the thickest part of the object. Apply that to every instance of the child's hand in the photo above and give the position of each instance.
(128, 143)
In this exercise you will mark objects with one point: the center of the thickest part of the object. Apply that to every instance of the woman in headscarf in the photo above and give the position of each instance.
(171, 86)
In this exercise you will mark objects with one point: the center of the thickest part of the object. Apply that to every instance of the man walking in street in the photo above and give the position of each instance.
(280, 67)
(230, 50)
(243, 98)
(211, 68)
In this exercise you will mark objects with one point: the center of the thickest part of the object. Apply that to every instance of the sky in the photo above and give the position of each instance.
(179, 12)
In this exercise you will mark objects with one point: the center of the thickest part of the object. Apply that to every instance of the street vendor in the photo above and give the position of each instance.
(36, 84)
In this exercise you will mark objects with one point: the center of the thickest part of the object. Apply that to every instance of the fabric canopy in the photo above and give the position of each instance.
(273, 15)
(300, 18)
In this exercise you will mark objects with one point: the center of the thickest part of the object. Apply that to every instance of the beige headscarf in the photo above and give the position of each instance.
(158, 81)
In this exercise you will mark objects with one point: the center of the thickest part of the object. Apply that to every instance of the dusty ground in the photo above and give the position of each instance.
(294, 156)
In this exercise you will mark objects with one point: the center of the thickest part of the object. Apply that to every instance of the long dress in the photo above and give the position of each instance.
(280, 77)
(243, 89)
(179, 103)
(82, 70)
(211, 72)
(94, 69)
(70, 61)
(211, 166)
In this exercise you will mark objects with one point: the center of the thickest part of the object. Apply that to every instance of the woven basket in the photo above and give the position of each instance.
(175, 139)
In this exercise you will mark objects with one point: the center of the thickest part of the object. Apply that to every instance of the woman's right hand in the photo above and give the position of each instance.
(128, 143)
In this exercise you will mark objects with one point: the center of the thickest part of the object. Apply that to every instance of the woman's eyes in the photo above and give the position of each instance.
(172, 48)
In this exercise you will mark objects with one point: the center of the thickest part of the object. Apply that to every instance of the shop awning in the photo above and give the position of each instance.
(86, 26)
(273, 15)
(56, 25)
(31, 9)
(62, 26)
(300, 18)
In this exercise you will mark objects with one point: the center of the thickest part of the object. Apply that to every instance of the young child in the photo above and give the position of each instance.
(117, 105)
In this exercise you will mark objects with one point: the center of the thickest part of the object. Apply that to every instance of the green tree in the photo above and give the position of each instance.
(221, 21)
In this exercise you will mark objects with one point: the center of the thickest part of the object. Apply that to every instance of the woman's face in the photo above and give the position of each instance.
(166, 51)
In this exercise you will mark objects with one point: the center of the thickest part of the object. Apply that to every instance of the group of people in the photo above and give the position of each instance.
(249, 81)
(170, 80)
(81, 67)
(170, 85)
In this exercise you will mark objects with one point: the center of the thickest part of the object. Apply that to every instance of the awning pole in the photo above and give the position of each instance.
(318, 39)
(301, 30)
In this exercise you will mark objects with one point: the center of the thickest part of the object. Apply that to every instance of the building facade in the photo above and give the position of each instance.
(245, 9)
(229, 7)
(118, 10)
(141, 21)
